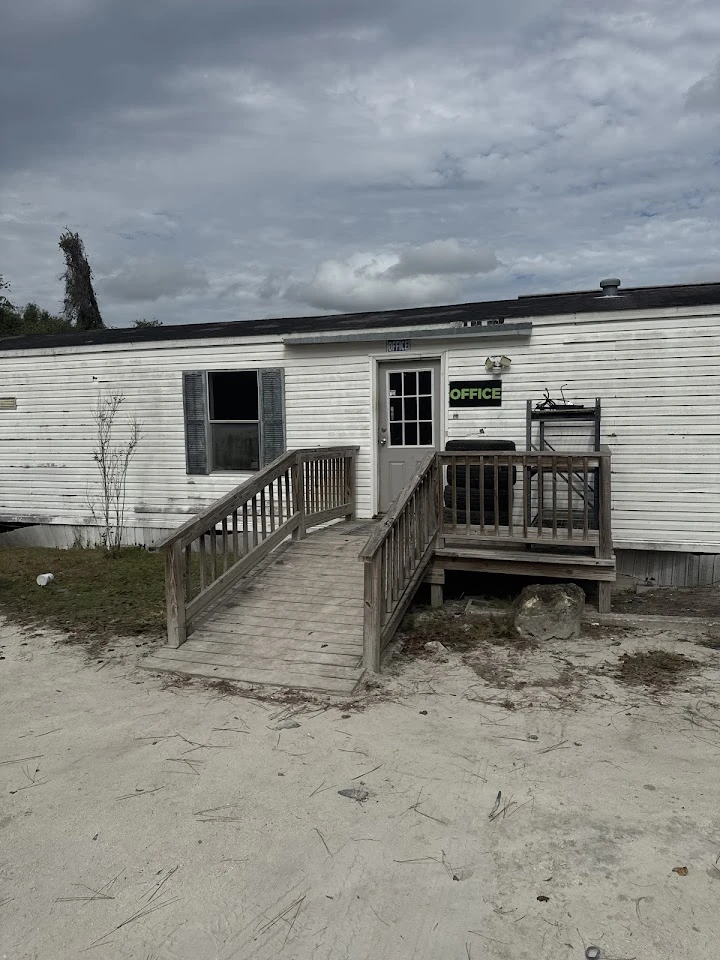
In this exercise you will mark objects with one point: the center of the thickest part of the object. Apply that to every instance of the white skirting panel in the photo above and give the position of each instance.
(65, 536)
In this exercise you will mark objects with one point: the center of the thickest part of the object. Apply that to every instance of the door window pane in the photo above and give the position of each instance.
(410, 383)
(410, 416)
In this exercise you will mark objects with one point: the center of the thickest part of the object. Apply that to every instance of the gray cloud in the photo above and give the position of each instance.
(433, 272)
(149, 280)
(441, 258)
(705, 94)
(319, 154)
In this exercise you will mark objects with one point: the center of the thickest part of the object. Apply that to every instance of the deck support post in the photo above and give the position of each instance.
(372, 618)
(604, 596)
(175, 595)
(298, 496)
(436, 578)
(351, 484)
(605, 527)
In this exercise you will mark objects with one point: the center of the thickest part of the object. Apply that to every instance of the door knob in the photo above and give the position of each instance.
(383, 441)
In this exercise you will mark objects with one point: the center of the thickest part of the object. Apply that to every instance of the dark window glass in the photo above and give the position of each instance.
(395, 434)
(409, 383)
(426, 408)
(235, 446)
(396, 384)
(234, 420)
(425, 381)
(426, 437)
(233, 396)
(410, 434)
(410, 408)
(395, 408)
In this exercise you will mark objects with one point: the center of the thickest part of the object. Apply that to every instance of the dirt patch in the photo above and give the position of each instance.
(711, 639)
(457, 632)
(654, 668)
(491, 648)
(671, 602)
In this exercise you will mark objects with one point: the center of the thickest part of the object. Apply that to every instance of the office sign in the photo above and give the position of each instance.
(475, 393)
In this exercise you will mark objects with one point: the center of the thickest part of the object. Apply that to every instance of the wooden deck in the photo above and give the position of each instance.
(297, 622)
(245, 602)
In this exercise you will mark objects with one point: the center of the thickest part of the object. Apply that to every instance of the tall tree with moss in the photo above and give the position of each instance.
(80, 306)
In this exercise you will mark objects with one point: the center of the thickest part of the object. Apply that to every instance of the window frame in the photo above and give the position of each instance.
(433, 398)
(210, 422)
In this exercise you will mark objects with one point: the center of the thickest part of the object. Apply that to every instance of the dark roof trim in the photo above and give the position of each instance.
(412, 333)
(525, 307)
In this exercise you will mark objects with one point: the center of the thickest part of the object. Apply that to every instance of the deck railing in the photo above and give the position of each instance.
(396, 556)
(206, 556)
(465, 499)
(526, 497)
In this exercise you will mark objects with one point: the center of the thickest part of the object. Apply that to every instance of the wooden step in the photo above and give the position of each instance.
(303, 637)
(246, 674)
(189, 653)
(521, 556)
(285, 653)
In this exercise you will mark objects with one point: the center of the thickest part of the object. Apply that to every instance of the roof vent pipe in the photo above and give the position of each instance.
(610, 287)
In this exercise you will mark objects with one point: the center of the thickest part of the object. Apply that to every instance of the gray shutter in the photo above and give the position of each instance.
(195, 405)
(272, 413)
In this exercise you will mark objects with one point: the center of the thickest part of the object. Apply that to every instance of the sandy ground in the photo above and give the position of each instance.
(151, 822)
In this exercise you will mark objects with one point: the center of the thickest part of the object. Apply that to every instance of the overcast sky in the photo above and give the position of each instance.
(229, 159)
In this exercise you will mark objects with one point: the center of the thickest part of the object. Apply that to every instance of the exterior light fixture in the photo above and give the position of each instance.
(497, 364)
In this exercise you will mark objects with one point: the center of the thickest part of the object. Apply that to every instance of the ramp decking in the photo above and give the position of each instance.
(297, 623)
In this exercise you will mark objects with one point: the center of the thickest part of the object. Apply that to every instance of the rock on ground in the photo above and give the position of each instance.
(549, 612)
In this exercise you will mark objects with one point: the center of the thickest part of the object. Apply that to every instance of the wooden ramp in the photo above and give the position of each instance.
(298, 622)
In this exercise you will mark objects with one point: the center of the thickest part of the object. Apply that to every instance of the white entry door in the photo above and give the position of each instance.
(408, 422)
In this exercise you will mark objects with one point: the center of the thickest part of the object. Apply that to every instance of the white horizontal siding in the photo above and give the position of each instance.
(659, 383)
(658, 376)
(46, 445)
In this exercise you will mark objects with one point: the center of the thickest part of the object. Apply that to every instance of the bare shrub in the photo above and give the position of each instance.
(112, 456)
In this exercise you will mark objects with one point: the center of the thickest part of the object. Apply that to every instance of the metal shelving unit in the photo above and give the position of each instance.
(537, 439)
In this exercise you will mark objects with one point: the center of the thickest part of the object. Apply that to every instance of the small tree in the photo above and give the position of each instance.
(80, 306)
(142, 323)
(112, 457)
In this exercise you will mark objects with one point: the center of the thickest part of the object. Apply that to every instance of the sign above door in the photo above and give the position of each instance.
(475, 393)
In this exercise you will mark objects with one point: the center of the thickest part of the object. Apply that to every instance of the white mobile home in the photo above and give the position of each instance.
(217, 402)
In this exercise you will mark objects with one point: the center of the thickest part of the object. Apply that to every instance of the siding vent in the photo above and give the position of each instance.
(8, 403)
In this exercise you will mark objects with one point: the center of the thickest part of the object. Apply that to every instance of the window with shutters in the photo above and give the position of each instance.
(234, 420)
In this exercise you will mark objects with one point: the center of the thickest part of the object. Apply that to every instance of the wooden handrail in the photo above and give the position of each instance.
(211, 516)
(382, 530)
(396, 556)
(301, 488)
